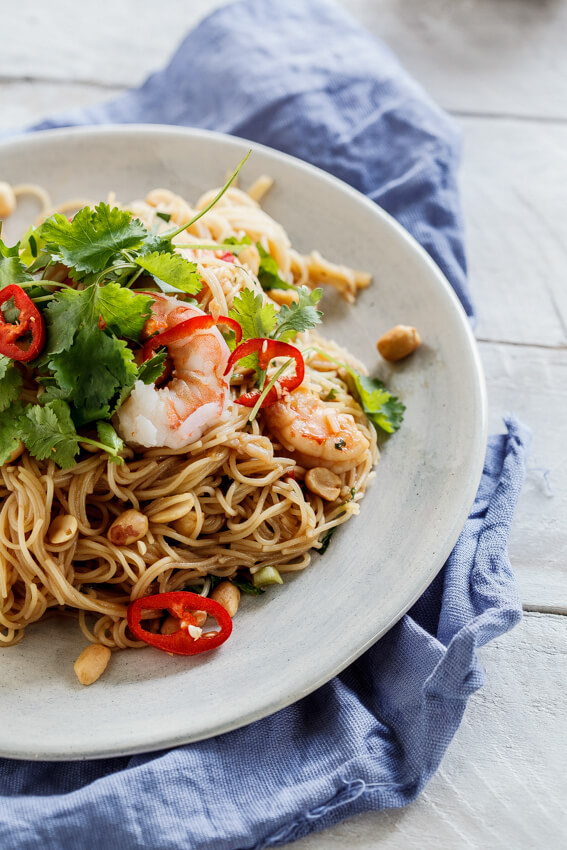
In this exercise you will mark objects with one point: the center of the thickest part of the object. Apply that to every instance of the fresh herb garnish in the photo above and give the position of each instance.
(177, 273)
(384, 410)
(92, 239)
(110, 441)
(152, 369)
(259, 319)
(235, 243)
(123, 314)
(92, 374)
(300, 316)
(10, 382)
(10, 430)
(269, 273)
(12, 269)
(87, 368)
(256, 318)
(325, 539)
(50, 434)
(246, 586)
(267, 575)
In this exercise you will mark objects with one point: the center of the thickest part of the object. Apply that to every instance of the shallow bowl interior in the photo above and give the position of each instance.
(295, 637)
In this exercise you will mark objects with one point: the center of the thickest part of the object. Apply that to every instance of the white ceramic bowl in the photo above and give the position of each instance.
(296, 637)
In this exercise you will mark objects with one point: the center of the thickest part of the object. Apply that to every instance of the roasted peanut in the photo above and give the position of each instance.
(398, 342)
(127, 528)
(228, 595)
(200, 617)
(7, 200)
(62, 529)
(172, 624)
(323, 482)
(169, 626)
(171, 508)
(186, 524)
(91, 663)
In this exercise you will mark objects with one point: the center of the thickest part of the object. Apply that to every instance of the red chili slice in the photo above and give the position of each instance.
(29, 322)
(267, 349)
(180, 604)
(186, 328)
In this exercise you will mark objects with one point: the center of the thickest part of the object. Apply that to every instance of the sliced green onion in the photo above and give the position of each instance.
(217, 197)
(267, 575)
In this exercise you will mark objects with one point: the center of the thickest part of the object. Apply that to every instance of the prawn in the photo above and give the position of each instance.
(316, 433)
(179, 413)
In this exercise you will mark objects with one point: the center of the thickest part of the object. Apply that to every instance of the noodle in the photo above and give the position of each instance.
(234, 500)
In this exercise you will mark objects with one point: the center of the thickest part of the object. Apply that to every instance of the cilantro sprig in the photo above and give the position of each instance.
(171, 272)
(381, 407)
(10, 382)
(94, 322)
(107, 244)
(92, 239)
(49, 432)
(12, 269)
(269, 273)
(260, 319)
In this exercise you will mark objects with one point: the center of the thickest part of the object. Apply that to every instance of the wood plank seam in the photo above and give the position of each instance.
(7, 80)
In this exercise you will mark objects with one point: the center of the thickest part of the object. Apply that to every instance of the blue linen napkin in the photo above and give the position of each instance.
(301, 76)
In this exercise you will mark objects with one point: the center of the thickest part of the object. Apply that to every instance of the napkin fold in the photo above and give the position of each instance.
(303, 77)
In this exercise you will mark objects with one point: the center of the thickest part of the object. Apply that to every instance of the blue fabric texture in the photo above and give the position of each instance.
(301, 76)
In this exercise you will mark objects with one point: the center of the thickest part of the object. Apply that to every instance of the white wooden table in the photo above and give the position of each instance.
(500, 67)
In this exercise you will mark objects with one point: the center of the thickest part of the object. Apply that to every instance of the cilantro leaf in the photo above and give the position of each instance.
(10, 430)
(48, 432)
(110, 440)
(256, 318)
(93, 371)
(235, 244)
(10, 382)
(269, 273)
(235, 241)
(173, 270)
(88, 242)
(124, 312)
(12, 270)
(325, 539)
(151, 369)
(64, 315)
(384, 410)
(300, 315)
